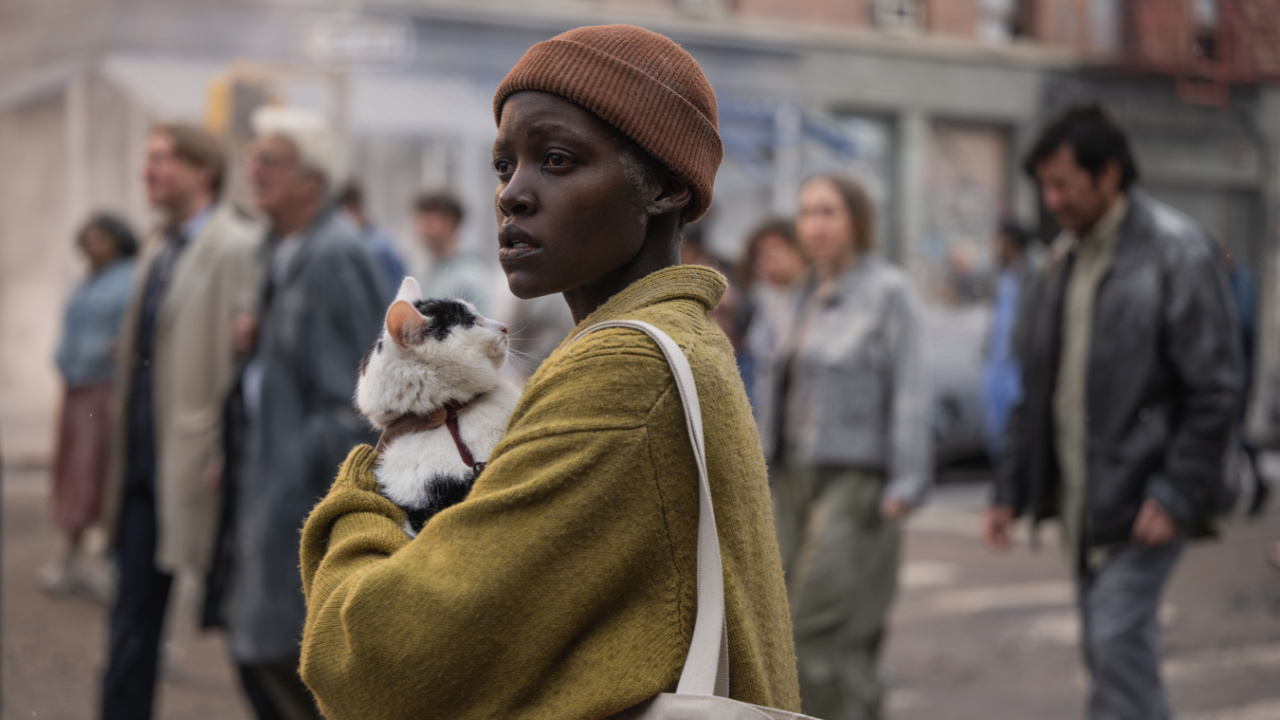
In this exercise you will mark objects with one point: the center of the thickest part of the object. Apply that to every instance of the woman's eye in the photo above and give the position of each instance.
(502, 167)
(556, 159)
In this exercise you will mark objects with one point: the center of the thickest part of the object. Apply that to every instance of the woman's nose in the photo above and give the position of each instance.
(516, 198)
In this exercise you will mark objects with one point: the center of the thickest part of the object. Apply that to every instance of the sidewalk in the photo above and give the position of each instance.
(976, 636)
(55, 648)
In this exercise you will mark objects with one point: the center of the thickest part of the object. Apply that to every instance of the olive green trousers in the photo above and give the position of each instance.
(841, 563)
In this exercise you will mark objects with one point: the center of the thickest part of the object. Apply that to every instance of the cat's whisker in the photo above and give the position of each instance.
(526, 366)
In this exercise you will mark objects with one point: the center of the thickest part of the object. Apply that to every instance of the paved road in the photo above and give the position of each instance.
(54, 648)
(978, 635)
(975, 635)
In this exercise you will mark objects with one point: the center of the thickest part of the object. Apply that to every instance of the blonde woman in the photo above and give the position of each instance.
(843, 404)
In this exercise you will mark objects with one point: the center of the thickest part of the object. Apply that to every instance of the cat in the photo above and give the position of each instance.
(432, 378)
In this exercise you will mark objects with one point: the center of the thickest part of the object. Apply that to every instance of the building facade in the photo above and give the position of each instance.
(930, 102)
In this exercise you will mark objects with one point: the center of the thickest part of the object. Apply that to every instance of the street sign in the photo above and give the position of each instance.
(351, 40)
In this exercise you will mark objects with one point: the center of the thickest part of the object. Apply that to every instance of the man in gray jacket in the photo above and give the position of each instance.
(1131, 379)
(321, 308)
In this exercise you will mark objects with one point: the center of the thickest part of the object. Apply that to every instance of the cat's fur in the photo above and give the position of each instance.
(432, 352)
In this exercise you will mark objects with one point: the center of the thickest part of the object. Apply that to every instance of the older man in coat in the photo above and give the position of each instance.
(176, 366)
(321, 307)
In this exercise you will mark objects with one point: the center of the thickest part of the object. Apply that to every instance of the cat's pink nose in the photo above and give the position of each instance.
(504, 329)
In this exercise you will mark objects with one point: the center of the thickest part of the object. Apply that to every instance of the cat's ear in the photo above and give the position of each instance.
(409, 291)
(405, 324)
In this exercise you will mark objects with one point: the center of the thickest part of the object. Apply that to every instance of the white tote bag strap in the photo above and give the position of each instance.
(706, 669)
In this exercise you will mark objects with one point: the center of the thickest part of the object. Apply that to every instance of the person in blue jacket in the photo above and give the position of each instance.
(86, 361)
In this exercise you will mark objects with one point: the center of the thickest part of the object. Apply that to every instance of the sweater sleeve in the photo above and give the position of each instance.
(557, 566)
(910, 455)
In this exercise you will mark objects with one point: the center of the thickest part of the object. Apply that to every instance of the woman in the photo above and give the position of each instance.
(563, 586)
(86, 361)
(772, 262)
(843, 412)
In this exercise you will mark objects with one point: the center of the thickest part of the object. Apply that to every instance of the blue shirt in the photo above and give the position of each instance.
(1002, 372)
(91, 324)
(1004, 316)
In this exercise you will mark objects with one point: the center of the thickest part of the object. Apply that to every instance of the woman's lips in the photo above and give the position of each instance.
(515, 252)
(515, 244)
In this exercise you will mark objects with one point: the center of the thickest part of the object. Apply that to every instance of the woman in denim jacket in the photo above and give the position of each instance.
(843, 412)
(86, 362)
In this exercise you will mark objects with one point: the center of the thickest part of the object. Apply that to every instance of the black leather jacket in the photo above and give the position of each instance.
(1163, 382)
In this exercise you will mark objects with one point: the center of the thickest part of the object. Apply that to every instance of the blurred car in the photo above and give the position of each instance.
(955, 339)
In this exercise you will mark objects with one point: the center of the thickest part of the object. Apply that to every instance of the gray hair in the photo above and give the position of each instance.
(307, 132)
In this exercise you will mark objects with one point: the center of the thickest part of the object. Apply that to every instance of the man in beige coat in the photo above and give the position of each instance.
(176, 365)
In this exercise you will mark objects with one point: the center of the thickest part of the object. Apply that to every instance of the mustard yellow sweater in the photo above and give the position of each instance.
(564, 586)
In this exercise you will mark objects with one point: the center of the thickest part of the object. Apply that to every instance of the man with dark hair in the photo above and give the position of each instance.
(450, 271)
(1095, 141)
(441, 202)
(1130, 385)
(380, 244)
(176, 366)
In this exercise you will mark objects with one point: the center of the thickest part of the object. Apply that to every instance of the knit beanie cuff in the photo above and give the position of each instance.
(656, 117)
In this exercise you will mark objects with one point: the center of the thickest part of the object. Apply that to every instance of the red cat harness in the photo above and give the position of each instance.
(447, 416)
(451, 421)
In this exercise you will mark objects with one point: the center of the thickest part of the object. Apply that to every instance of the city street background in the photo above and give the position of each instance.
(931, 104)
(974, 636)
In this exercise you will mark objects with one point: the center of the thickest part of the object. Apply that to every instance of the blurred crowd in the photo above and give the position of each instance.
(209, 371)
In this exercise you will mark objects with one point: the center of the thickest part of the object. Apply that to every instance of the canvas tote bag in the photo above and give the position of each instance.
(704, 682)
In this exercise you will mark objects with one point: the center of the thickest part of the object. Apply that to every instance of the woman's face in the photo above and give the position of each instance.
(570, 219)
(98, 247)
(823, 223)
(779, 263)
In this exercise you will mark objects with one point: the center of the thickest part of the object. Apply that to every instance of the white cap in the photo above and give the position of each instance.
(310, 135)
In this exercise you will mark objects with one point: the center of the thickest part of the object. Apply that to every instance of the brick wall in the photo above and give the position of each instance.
(952, 17)
(1060, 23)
(1162, 32)
(849, 13)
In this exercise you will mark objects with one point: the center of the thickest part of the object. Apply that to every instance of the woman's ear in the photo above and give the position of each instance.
(672, 194)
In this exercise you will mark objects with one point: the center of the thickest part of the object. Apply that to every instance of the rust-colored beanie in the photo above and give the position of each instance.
(641, 83)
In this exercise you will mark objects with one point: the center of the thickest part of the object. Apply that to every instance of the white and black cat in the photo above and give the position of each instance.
(431, 382)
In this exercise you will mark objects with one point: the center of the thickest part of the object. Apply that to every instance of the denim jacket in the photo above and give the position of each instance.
(859, 367)
(92, 324)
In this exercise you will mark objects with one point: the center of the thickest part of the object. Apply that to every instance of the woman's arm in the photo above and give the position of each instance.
(558, 565)
(910, 457)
